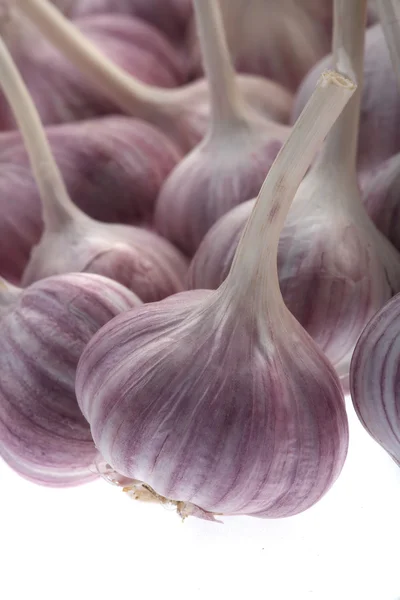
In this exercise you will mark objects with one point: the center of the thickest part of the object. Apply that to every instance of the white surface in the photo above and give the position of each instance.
(94, 543)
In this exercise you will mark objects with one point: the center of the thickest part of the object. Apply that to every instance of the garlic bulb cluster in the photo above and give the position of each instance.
(60, 92)
(72, 241)
(230, 164)
(219, 401)
(43, 434)
(181, 113)
(374, 378)
(335, 268)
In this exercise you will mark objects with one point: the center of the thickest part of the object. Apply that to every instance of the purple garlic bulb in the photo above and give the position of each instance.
(374, 378)
(72, 241)
(230, 164)
(220, 402)
(113, 169)
(43, 434)
(181, 113)
(335, 268)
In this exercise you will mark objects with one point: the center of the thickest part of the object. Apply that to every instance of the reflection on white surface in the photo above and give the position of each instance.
(94, 543)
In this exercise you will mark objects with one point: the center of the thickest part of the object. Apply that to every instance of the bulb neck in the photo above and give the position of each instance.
(348, 57)
(8, 296)
(253, 277)
(226, 101)
(58, 209)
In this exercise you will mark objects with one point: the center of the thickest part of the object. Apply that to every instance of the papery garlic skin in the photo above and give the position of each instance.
(219, 174)
(243, 455)
(374, 378)
(43, 434)
(138, 259)
(220, 400)
(212, 262)
(231, 163)
(335, 268)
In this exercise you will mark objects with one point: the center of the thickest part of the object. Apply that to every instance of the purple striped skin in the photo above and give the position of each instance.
(374, 378)
(209, 405)
(226, 169)
(139, 259)
(113, 169)
(43, 434)
(382, 199)
(335, 268)
(212, 262)
(62, 94)
(379, 135)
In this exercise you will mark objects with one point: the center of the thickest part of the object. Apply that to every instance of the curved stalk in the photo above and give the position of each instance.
(340, 148)
(224, 93)
(258, 245)
(131, 95)
(57, 205)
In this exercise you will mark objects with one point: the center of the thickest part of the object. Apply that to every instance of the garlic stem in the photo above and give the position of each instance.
(8, 294)
(57, 205)
(255, 263)
(132, 96)
(219, 70)
(348, 55)
(389, 15)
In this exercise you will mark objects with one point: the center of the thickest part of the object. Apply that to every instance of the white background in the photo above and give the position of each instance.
(94, 543)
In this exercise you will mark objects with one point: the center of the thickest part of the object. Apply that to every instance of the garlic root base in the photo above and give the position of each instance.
(138, 490)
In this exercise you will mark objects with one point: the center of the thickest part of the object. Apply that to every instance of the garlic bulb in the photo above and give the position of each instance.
(72, 241)
(230, 164)
(113, 169)
(43, 434)
(181, 113)
(335, 268)
(374, 383)
(219, 401)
